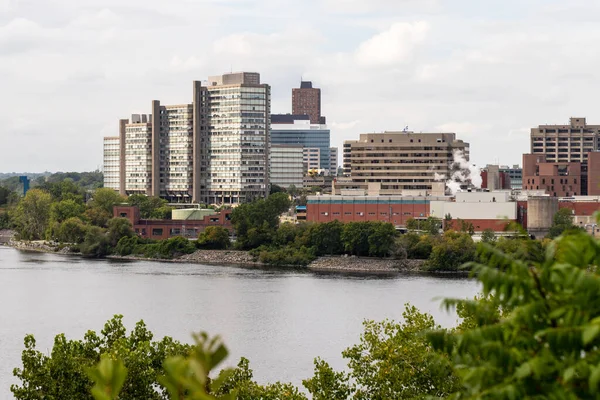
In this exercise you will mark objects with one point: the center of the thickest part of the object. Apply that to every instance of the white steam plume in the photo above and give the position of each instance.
(462, 171)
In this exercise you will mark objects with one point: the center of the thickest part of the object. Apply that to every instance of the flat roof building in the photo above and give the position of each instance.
(111, 162)
(306, 100)
(400, 162)
(286, 166)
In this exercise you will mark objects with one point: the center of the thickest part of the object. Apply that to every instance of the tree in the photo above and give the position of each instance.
(488, 236)
(381, 239)
(452, 252)
(276, 189)
(95, 243)
(255, 223)
(61, 374)
(105, 199)
(117, 229)
(72, 230)
(214, 237)
(396, 361)
(65, 209)
(97, 216)
(32, 215)
(547, 343)
(150, 207)
(355, 237)
(4, 195)
(325, 238)
(562, 221)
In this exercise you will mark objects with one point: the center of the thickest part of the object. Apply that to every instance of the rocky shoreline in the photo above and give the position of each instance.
(365, 265)
(333, 264)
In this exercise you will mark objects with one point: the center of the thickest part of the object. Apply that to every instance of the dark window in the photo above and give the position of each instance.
(157, 232)
(173, 231)
(123, 215)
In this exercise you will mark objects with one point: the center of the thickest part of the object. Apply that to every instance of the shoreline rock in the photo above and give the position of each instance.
(365, 265)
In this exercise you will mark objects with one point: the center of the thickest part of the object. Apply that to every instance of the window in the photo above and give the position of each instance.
(157, 232)
(174, 232)
(123, 215)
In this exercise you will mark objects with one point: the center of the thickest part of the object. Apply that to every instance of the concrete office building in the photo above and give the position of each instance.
(393, 163)
(111, 165)
(214, 150)
(306, 100)
(286, 165)
(333, 160)
(303, 133)
(515, 175)
(311, 157)
(567, 143)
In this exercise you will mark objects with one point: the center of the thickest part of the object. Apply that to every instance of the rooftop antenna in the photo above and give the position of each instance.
(405, 129)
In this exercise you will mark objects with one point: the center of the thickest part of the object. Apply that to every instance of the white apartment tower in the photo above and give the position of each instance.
(111, 162)
(214, 150)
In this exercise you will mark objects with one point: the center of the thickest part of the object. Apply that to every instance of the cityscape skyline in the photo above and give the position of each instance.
(71, 69)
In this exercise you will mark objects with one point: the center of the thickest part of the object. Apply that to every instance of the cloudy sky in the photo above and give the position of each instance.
(487, 70)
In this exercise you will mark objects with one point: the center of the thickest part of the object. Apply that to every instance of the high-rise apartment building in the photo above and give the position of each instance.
(515, 175)
(235, 139)
(392, 163)
(301, 132)
(567, 143)
(286, 165)
(306, 100)
(214, 150)
(136, 135)
(333, 160)
(111, 166)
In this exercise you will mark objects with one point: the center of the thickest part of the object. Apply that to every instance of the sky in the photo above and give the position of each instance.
(487, 70)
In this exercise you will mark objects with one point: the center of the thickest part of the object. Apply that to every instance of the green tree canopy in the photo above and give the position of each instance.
(214, 237)
(105, 199)
(32, 215)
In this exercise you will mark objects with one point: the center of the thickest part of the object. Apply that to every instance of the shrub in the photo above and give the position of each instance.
(214, 237)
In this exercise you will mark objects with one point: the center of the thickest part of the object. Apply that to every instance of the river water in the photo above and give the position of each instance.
(280, 320)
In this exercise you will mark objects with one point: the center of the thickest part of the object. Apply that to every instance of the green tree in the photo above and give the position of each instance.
(214, 237)
(488, 236)
(97, 216)
(562, 221)
(381, 239)
(396, 361)
(355, 237)
(61, 374)
(32, 215)
(325, 238)
(4, 195)
(547, 343)
(452, 252)
(255, 223)
(105, 199)
(276, 189)
(117, 229)
(65, 209)
(150, 207)
(72, 230)
(95, 243)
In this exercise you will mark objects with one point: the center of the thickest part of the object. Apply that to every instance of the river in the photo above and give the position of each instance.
(279, 319)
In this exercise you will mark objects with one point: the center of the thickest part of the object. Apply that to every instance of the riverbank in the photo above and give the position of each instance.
(365, 265)
(333, 264)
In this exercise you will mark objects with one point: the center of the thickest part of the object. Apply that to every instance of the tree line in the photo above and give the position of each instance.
(533, 332)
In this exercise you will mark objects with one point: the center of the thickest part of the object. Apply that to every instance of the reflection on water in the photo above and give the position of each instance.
(296, 315)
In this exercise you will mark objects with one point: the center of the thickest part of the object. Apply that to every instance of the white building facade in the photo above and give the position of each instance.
(111, 162)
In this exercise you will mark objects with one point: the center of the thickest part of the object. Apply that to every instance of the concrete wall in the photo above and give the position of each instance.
(540, 212)
(478, 211)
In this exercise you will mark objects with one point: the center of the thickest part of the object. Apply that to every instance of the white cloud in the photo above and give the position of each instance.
(393, 46)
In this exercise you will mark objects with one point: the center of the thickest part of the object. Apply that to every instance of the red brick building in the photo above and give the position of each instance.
(558, 179)
(306, 100)
(394, 209)
(166, 228)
